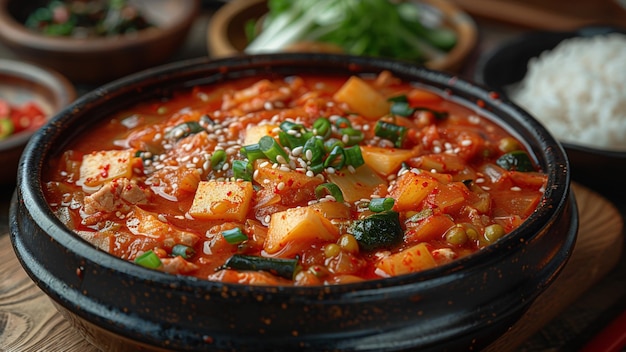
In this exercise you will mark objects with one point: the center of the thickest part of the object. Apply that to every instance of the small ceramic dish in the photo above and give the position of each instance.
(96, 60)
(21, 83)
(226, 33)
(507, 65)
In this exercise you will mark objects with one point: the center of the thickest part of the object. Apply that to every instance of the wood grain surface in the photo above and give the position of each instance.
(29, 321)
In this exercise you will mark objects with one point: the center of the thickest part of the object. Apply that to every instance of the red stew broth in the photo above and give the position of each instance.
(451, 198)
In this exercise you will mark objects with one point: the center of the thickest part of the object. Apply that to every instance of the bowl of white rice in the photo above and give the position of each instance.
(574, 83)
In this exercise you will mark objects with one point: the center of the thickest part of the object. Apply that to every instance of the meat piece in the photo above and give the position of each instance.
(114, 196)
(177, 265)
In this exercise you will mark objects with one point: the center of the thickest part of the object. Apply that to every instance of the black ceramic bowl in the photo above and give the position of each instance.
(507, 64)
(121, 306)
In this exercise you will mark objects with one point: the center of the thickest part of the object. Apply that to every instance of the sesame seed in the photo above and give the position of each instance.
(297, 151)
(310, 173)
(280, 186)
(281, 159)
(162, 218)
(516, 189)
(267, 219)
(466, 142)
(225, 166)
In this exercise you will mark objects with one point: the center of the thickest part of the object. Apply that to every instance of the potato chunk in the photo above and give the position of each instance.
(296, 228)
(385, 161)
(222, 200)
(362, 98)
(100, 167)
(255, 132)
(411, 189)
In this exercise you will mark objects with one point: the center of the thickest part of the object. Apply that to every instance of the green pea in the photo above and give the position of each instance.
(493, 232)
(456, 235)
(348, 243)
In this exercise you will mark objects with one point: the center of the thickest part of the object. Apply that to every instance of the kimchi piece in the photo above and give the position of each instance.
(299, 180)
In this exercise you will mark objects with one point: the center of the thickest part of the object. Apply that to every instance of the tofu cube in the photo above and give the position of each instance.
(100, 167)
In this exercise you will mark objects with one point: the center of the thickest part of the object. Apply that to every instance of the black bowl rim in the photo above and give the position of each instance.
(551, 39)
(29, 174)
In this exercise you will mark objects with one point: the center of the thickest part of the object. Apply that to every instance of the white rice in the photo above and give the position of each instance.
(578, 91)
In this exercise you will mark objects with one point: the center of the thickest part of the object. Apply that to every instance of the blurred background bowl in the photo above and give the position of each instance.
(97, 60)
(507, 65)
(226, 33)
(21, 83)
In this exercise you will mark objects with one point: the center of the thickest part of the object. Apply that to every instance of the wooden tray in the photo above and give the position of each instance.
(29, 321)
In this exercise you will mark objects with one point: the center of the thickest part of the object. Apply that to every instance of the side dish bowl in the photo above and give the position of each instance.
(120, 306)
(97, 60)
(507, 65)
(21, 83)
(226, 34)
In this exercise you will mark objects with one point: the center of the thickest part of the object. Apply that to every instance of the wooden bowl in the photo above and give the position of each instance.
(97, 60)
(21, 82)
(119, 306)
(226, 33)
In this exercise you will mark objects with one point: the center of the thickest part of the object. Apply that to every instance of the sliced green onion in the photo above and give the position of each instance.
(218, 159)
(149, 260)
(354, 156)
(381, 204)
(336, 158)
(182, 250)
(313, 150)
(277, 266)
(329, 188)
(343, 122)
(184, 129)
(252, 152)
(402, 109)
(391, 132)
(316, 168)
(323, 127)
(288, 125)
(242, 170)
(331, 143)
(350, 136)
(272, 149)
(234, 236)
